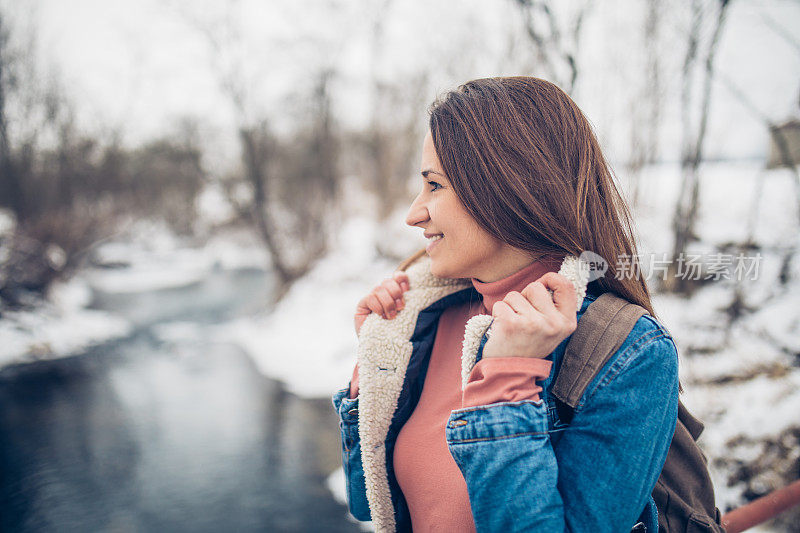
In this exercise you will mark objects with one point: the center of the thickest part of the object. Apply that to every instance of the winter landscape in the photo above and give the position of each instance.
(194, 196)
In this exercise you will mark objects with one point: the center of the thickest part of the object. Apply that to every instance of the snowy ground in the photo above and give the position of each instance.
(59, 327)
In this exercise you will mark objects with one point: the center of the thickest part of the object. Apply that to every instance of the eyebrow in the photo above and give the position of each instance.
(430, 171)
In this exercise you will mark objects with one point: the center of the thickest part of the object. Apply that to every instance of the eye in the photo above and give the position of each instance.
(436, 186)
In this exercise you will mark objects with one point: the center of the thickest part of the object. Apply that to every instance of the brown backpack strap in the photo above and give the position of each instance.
(684, 493)
(602, 329)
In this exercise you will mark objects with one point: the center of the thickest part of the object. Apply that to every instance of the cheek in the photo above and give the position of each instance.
(463, 223)
(481, 242)
(472, 231)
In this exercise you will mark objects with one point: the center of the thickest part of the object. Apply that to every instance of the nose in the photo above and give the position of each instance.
(418, 212)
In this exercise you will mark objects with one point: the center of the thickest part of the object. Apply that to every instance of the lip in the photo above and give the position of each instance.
(432, 244)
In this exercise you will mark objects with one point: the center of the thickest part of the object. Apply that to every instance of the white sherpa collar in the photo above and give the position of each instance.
(384, 351)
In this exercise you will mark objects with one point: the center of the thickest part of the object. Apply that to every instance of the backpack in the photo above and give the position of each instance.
(684, 494)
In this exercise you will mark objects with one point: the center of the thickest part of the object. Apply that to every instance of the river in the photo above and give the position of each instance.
(176, 433)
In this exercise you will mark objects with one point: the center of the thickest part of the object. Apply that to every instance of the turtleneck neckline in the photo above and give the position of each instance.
(494, 291)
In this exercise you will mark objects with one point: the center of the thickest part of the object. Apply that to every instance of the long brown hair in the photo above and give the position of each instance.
(525, 163)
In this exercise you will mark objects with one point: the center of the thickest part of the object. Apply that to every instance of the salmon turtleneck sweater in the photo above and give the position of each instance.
(432, 483)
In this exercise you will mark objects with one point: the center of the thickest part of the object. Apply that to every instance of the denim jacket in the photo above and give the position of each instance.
(524, 468)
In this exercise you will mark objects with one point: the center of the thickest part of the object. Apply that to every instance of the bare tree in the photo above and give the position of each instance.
(555, 42)
(69, 189)
(646, 111)
(694, 132)
(781, 144)
(307, 165)
(391, 140)
(392, 136)
(294, 232)
(10, 186)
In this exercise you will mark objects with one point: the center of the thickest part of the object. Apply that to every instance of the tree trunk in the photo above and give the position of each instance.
(255, 161)
(10, 186)
(686, 208)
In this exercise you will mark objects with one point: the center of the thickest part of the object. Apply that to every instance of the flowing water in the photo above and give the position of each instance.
(166, 432)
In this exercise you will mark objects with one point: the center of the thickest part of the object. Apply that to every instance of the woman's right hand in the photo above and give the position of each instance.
(386, 299)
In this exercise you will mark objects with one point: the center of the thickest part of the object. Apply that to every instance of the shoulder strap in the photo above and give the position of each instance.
(602, 329)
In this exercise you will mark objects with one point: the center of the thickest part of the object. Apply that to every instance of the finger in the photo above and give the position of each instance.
(537, 295)
(359, 321)
(363, 308)
(393, 287)
(564, 296)
(402, 278)
(502, 310)
(519, 303)
(504, 317)
(374, 304)
(387, 301)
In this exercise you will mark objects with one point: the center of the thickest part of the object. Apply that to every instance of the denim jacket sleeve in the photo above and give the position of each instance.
(347, 410)
(599, 475)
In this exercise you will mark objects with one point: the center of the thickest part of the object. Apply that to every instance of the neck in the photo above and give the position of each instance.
(495, 291)
(510, 261)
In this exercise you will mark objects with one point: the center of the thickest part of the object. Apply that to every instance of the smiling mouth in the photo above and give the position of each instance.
(432, 241)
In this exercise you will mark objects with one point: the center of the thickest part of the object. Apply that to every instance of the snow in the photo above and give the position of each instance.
(57, 328)
(7, 222)
(152, 258)
(213, 208)
(146, 257)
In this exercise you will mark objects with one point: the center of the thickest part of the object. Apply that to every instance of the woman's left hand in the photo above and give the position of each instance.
(531, 323)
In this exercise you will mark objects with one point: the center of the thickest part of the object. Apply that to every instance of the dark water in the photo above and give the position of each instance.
(145, 434)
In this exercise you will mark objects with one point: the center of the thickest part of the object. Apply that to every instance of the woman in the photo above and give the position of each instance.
(450, 426)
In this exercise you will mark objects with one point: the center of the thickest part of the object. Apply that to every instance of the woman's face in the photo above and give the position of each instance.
(457, 245)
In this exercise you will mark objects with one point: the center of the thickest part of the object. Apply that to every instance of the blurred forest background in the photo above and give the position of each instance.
(144, 145)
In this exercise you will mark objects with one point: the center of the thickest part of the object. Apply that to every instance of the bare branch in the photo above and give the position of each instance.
(780, 30)
(555, 52)
(687, 205)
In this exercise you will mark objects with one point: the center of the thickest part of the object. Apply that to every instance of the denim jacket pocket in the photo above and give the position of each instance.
(347, 409)
(497, 421)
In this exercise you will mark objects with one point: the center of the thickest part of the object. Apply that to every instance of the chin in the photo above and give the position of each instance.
(442, 271)
(437, 270)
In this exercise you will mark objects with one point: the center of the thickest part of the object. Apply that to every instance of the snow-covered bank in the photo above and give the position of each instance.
(151, 257)
(148, 257)
(58, 327)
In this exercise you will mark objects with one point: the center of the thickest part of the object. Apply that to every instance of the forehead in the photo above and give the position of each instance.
(430, 160)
